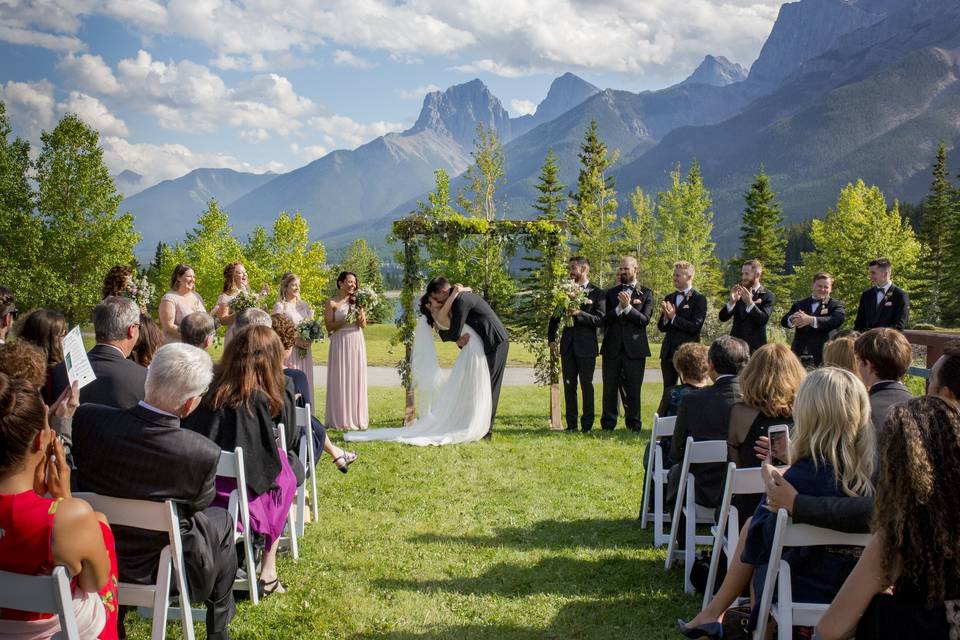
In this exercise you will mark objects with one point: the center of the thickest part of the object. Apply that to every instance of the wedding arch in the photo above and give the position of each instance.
(544, 240)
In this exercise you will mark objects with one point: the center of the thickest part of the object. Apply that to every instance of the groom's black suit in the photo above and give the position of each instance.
(472, 310)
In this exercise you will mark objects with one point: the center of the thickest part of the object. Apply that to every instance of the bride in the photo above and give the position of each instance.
(453, 406)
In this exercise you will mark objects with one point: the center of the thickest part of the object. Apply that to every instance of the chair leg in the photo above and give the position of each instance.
(659, 538)
(294, 545)
(647, 476)
(689, 538)
(161, 599)
(301, 507)
(312, 457)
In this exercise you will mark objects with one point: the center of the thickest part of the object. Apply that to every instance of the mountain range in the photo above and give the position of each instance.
(841, 89)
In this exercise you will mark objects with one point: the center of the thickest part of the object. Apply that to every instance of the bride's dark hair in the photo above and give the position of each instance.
(425, 308)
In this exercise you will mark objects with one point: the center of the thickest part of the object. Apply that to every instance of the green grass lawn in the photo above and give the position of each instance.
(530, 535)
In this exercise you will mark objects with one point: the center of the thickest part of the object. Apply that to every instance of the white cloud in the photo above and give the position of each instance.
(95, 114)
(418, 93)
(498, 69)
(347, 59)
(342, 131)
(309, 153)
(90, 72)
(30, 37)
(522, 107)
(29, 106)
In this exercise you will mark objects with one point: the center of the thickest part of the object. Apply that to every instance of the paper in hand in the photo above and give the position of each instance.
(75, 359)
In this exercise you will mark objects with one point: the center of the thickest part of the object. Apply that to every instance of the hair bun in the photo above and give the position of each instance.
(8, 396)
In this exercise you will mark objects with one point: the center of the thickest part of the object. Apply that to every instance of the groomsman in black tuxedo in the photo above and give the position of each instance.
(884, 304)
(813, 319)
(625, 348)
(681, 318)
(578, 346)
(750, 307)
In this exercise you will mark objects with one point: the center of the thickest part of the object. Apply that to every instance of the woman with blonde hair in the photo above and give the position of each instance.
(839, 352)
(294, 307)
(234, 281)
(832, 453)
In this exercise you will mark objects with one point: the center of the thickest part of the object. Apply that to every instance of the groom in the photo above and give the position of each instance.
(471, 309)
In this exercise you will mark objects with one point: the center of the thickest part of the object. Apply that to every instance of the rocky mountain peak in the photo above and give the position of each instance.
(717, 71)
(457, 111)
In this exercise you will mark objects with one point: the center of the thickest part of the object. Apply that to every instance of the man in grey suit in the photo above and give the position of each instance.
(119, 383)
(884, 356)
(141, 453)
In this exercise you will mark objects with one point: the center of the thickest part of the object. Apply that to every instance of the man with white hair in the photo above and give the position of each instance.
(141, 453)
(253, 316)
(119, 383)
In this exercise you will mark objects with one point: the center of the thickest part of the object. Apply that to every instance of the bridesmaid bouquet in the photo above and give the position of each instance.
(242, 301)
(140, 291)
(364, 298)
(569, 296)
(309, 331)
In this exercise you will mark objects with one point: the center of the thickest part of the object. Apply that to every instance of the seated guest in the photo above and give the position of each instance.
(45, 329)
(705, 415)
(251, 316)
(8, 312)
(40, 532)
(907, 582)
(691, 364)
(241, 409)
(944, 378)
(119, 383)
(198, 330)
(283, 327)
(839, 352)
(832, 453)
(141, 453)
(884, 356)
(151, 339)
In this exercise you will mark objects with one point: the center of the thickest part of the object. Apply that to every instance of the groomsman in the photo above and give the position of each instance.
(625, 348)
(813, 319)
(681, 318)
(579, 347)
(750, 306)
(884, 304)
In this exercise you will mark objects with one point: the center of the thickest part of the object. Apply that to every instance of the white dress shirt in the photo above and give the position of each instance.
(679, 298)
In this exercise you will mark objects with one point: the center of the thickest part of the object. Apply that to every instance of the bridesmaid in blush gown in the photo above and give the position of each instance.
(291, 305)
(180, 301)
(347, 363)
(234, 281)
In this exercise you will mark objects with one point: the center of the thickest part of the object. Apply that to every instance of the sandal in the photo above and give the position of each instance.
(347, 457)
(269, 588)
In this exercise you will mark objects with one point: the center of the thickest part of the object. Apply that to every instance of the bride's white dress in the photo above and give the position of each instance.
(453, 406)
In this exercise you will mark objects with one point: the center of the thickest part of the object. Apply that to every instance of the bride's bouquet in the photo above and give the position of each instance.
(309, 331)
(140, 291)
(364, 298)
(569, 296)
(242, 301)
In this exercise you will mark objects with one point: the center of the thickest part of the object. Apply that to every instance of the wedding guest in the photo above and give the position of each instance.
(884, 304)
(750, 306)
(234, 282)
(813, 319)
(198, 330)
(150, 339)
(692, 365)
(682, 314)
(832, 453)
(625, 348)
(252, 316)
(944, 379)
(578, 346)
(298, 310)
(142, 453)
(118, 281)
(41, 532)
(287, 333)
(119, 383)
(45, 329)
(907, 582)
(180, 301)
(839, 352)
(883, 357)
(8, 312)
(347, 360)
(241, 409)
(705, 415)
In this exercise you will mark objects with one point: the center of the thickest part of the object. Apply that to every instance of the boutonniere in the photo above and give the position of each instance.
(686, 306)
(888, 295)
(637, 301)
(587, 301)
(823, 309)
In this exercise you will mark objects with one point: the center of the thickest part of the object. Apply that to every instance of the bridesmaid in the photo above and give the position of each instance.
(298, 310)
(234, 281)
(180, 301)
(347, 365)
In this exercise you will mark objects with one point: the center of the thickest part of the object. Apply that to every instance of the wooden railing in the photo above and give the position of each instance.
(934, 341)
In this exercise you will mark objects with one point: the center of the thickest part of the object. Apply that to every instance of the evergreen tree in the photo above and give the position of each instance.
(592, 212)
(83, 236)
(551, 200)
(939, 216)
(364, 261)
(762, 235)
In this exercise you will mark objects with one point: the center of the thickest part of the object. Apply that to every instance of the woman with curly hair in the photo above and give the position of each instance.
(118, 281)
(180, 301)
(907, 582)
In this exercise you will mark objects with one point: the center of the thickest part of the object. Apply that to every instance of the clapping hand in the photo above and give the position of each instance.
(669, 311)
(624, 298)
(53, 476)
(800, 319)
(745, 294)
(734, 294)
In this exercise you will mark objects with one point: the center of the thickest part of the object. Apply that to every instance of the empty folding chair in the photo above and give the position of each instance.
(151, 516)
(41, 594)
(655, 480)
(695, 453)
(786, 612)
(231, 466)
(309, 461)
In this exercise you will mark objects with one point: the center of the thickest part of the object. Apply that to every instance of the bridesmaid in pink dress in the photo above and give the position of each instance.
(347, 363)
(290, 304)
(180, 301)
(234, 281)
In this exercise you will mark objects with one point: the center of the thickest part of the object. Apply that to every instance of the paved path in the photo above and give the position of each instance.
(512, 377)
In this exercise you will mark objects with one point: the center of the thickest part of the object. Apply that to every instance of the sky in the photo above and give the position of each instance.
(270, 85)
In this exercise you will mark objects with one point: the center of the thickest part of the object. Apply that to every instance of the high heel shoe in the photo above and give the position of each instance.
(709, 631)
(347, 458)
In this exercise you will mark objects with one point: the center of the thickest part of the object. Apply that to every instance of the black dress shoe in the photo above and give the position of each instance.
(710, 631)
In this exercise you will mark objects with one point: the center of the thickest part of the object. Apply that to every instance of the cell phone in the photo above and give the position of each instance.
(779, 436)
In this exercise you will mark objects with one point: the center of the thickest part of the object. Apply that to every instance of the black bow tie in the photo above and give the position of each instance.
(679, 293)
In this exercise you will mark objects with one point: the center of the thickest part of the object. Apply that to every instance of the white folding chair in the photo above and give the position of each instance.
(309, 461)
(231, 466)
(726, 533)
(655, 480)
(695, 453)
(786, 612)
(41, 594)
(151, 516)
(291, 539)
